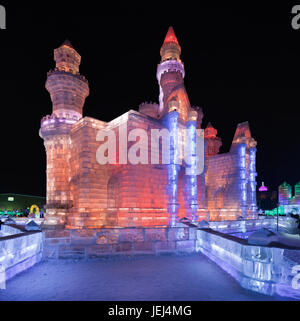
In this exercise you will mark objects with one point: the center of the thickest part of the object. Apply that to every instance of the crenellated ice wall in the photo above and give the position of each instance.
(19, 250)
(265, 269)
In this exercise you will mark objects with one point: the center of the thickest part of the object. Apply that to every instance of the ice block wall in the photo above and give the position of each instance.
(263, 269)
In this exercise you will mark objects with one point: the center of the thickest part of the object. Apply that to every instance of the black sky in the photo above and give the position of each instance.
(241, 62)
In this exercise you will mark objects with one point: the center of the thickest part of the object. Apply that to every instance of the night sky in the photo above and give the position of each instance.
(242, 63)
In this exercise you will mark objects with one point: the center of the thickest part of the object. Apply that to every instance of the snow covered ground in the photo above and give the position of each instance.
(289, 239)
(193, 278)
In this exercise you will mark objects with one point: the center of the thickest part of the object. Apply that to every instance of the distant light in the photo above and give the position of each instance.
(11, 199)
(263, 188)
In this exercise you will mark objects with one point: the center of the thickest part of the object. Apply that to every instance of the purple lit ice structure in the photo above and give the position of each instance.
(263, 188)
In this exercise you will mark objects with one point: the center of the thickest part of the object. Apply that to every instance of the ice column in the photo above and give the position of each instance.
(171, 122)
(252, 181)
(243, 178)
(190, 157)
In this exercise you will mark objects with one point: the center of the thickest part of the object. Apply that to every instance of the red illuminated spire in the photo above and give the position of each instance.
(170, 48)
(213, 142)
(210, 131)
(171, 37)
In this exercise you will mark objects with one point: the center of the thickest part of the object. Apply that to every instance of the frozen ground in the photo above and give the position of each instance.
(192, 278)
(289, 239)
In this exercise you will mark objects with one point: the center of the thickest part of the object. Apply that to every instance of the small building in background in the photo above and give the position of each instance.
(266, 199)
(17, 204)
(287, 202)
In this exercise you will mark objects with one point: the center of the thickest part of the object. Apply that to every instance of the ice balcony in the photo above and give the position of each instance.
(264, 269)
(19, 250)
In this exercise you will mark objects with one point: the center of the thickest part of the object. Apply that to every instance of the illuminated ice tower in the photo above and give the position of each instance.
(170, 75)
(68, 90)
(284, 193)
(177, 114)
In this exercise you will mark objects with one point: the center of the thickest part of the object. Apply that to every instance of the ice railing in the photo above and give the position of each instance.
(18, 251)
(285, 224)
(259, 268)
(229, 226)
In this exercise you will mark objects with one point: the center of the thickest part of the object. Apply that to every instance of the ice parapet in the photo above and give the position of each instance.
(32, 226)
(203, 224)
(262, 237)
(9, 221)
(257, 268)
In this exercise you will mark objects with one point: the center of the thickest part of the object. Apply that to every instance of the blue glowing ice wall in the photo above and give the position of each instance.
(190, 157)
(252, 181)
(264, 269)
(19, 250)
(243, 178)
(171, 122)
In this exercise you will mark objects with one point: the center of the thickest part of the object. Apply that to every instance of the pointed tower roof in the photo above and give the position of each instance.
(243, 135)
(170, 49)
(242, 130)
(210, 131)
(67, 43)
(171, 37)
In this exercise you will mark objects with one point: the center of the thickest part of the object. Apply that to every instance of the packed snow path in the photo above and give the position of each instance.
(192, 278)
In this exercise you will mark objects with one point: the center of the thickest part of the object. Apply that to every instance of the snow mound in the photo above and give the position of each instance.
(204, 224)
(9, 221)
(262, 237)
(32, 226)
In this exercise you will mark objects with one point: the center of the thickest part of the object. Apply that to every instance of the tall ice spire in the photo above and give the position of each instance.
(170, 36)
(170, 48)
(170, 75)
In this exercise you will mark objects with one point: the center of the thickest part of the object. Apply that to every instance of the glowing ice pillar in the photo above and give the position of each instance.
(252, 181)
(171, 122)
(190, 157)
(243, 179)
